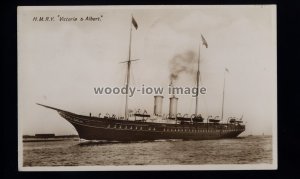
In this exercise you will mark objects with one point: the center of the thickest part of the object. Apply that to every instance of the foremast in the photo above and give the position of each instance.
(132, 23)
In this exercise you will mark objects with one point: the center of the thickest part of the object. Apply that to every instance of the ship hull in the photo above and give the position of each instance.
(110, 129)
(91, 133)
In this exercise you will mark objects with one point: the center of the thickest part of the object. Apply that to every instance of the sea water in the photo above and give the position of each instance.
(75, 152)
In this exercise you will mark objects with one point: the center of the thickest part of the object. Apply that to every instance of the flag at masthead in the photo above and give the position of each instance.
(134, 23)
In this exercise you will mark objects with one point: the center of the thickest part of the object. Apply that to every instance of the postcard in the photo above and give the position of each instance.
(163, 87)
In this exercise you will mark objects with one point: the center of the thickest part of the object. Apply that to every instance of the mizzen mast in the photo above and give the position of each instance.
(226, 70)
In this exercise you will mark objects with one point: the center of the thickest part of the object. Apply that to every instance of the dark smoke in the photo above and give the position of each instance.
(183, 63)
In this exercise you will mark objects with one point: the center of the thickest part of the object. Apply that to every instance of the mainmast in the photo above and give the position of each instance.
(198, 72)
(198, 78)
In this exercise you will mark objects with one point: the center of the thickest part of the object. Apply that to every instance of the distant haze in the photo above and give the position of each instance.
(60, 63)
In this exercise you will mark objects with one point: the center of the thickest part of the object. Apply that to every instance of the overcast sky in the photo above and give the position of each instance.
(60, 63)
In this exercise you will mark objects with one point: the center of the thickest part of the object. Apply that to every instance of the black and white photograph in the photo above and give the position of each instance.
(160, 87)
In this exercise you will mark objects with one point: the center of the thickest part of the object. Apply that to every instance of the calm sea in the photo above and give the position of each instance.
(72, 152)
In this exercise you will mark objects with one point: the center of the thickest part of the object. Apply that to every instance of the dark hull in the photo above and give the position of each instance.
(115, 134)
(94, 128)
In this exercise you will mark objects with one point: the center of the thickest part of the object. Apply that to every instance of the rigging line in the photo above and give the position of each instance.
(134, 84)
(204, 99)
(133, 79)
(192, 99)
(122, 102)
(125, 79)
(190, 107)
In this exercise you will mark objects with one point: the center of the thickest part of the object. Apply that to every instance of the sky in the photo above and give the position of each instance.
(60, 63)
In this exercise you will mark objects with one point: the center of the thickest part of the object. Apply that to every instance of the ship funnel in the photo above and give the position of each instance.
(158, 101)
(173, 107)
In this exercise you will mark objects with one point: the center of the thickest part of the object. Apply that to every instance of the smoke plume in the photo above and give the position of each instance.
(182, 63)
